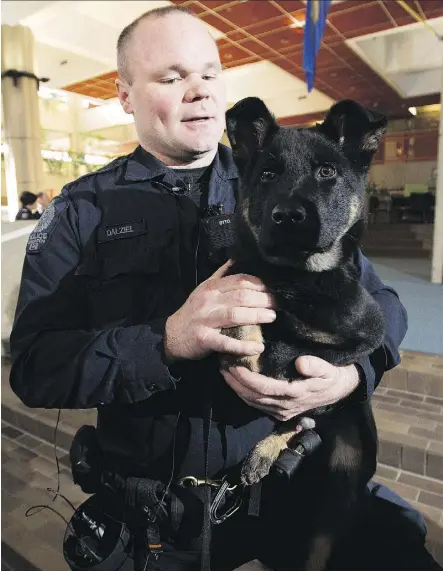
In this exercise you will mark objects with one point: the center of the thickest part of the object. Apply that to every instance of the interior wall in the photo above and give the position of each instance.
(396, 175)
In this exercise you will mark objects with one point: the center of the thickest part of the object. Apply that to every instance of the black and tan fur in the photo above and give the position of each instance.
(299, 221)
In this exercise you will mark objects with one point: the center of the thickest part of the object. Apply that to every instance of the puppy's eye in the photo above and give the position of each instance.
(326, 171)
(268, 176)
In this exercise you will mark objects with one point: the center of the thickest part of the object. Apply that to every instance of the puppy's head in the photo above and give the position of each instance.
(302, 190)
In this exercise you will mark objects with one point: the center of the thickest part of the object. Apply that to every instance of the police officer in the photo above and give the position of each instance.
(28, 209)
(121, 306)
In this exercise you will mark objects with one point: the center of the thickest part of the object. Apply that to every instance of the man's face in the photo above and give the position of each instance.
(177, 94)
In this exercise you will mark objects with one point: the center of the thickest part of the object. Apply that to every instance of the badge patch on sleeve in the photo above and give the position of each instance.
(46, 225)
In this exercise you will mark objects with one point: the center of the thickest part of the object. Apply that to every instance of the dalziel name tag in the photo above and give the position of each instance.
(125, 230)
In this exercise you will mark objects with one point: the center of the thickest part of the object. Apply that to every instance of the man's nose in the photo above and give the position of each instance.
(198, 89)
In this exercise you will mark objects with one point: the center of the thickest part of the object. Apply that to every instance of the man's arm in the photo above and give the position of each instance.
(387, 356)
(57, 361)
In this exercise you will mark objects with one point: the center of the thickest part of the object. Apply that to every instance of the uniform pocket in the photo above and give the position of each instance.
(123, 290)
(145, 263)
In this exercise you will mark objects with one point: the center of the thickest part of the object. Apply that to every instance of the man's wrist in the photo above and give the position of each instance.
(359, 393)
(168, 355)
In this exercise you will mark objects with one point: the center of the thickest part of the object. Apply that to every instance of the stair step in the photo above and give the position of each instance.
(392, 242)
(391, 234)
(389, 252)
(408, 408)
(417, 373)
(410, 427)
(423, 493)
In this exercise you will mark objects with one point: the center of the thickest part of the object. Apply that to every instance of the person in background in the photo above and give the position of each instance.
(28, 210)
(42, 202)
(32, 205)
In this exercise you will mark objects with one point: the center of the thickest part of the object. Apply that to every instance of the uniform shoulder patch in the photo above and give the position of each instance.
(46, 225)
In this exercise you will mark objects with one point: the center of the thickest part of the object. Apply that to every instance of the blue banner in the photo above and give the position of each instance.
(316, 13)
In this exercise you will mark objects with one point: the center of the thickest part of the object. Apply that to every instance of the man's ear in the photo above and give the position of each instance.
(355, 128)
(124, 95)
(249, 123)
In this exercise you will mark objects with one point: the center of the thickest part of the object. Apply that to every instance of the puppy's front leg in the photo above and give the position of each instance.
(260, 460)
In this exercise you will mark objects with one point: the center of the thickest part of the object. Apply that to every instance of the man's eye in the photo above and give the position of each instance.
(268, 176)
(326, 171)
(209, 77)
(170, 80)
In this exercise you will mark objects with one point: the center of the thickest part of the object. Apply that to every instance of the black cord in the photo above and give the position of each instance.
(57, 493)
(169, 482)
(205, 559)
(31, 510)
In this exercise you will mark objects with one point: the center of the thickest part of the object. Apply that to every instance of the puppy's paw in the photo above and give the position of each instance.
(306, 423)
(260, 460)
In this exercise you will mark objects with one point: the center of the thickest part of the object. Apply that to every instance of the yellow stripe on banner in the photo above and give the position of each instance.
(315, 10)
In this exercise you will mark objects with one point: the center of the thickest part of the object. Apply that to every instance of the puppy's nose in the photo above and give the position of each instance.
(288, 215)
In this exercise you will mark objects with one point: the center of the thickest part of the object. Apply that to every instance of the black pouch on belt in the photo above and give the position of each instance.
(86, 459)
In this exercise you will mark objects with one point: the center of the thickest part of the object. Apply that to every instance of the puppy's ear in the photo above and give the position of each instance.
(249, 123)
(356, 129)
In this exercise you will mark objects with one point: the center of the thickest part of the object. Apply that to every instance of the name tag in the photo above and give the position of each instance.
(125, 230)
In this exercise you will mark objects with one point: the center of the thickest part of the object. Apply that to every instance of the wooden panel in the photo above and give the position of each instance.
(422, 146)
(291, 5)
(349, 23)
(246, 14)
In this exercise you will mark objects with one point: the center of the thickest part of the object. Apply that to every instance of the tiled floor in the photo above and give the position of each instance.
(26, 476)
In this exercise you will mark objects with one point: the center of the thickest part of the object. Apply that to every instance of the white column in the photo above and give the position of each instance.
(437, 242)
(21, 117)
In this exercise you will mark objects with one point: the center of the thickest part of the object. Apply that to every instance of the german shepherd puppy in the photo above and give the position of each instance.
(299, 221)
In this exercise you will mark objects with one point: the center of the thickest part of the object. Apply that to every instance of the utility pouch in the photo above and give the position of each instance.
(218, 237)
(86, 459)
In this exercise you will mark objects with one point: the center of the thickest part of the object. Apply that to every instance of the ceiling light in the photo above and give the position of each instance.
(297, 23)
(412, 110)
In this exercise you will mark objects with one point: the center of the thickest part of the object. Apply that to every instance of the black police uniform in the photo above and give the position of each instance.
(25, 214)
(119, 251)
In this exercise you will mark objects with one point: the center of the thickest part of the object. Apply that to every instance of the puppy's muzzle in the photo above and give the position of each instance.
(285, 216)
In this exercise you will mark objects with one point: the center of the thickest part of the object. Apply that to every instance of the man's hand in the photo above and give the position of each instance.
(222, 301)
(324, 384)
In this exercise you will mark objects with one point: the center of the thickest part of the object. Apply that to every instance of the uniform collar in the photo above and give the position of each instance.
(143, 166)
